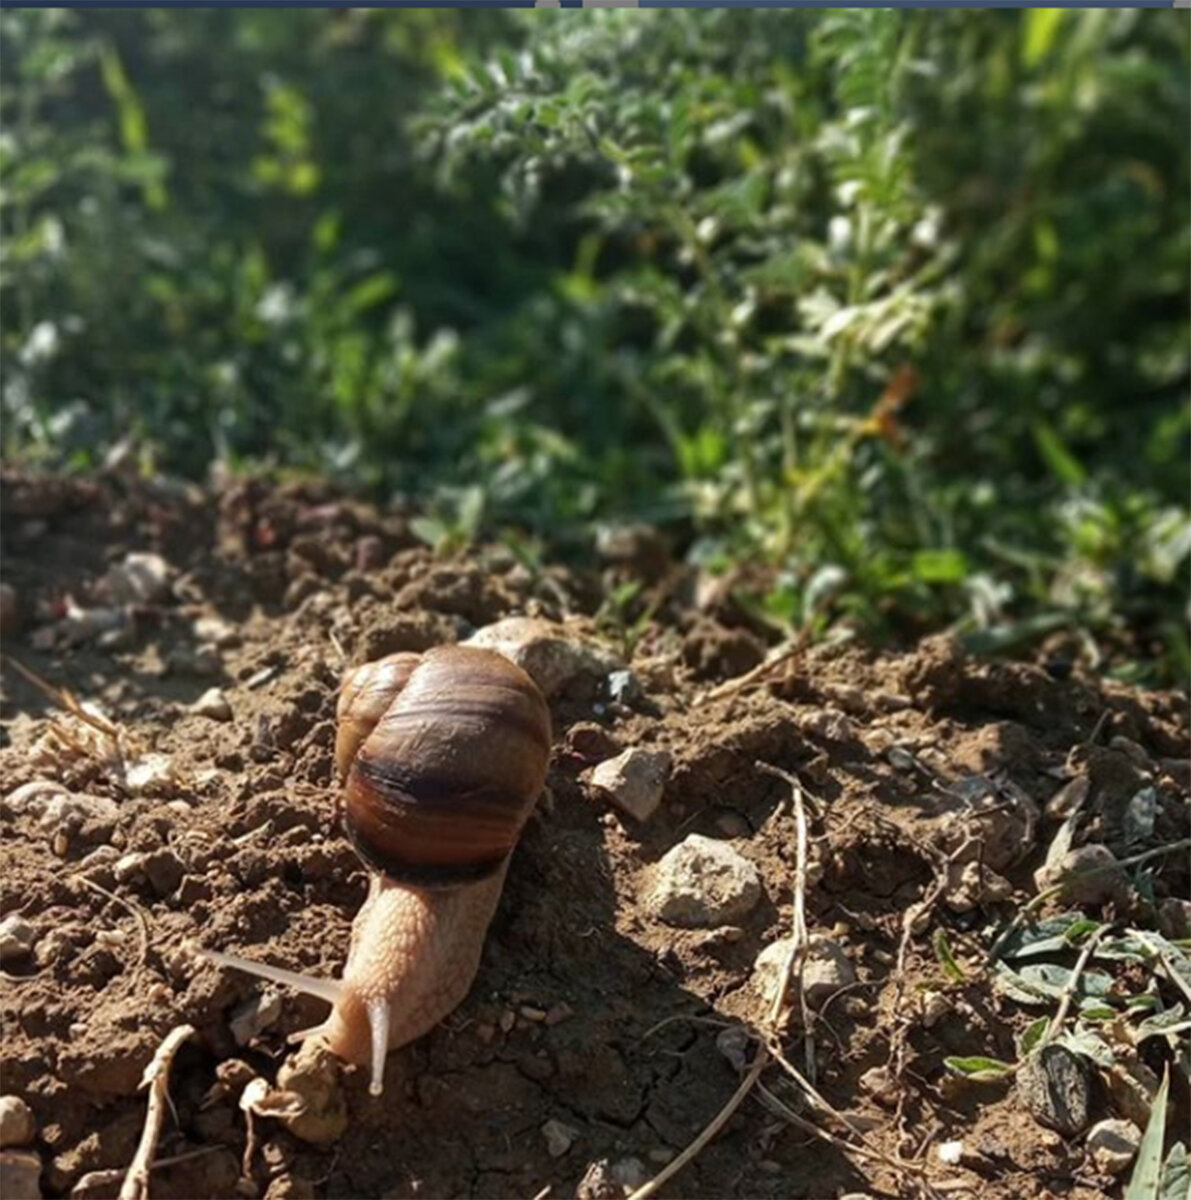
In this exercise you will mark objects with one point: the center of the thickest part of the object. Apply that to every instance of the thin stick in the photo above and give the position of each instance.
(801, 940)
(157, 1080)
(761, 1059)
(712, 1128)
(1089, 947)
(94, 1179)
(138, 913)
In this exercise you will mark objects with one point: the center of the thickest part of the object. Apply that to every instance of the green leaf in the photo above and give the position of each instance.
(1147, 1171)
(1041, 27)
(1032, 1035)
(940, 566)
(979, 1068)
(942, 947)
(1065, 466)
(1176, 1175)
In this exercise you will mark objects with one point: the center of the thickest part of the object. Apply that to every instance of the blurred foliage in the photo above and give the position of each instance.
(893, 301)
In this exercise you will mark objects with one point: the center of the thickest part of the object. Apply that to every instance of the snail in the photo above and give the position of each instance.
(442, 757)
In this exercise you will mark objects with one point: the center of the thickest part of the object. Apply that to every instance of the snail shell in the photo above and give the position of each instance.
(442, 756)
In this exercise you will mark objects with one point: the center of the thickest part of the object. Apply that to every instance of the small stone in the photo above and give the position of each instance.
(150, 772)
(950, 1153)
(217, 631)
(20, 1175)
(634, 781)
(290, 1187)
(624, 687)
(1086, 875)
(137, 579)
(53, 806)
(164, 871)
(935, 1006)
(550, 653)
(1055, 1085)
(630, 1173)
(508, 1019)
(16, 1122)
(559, 1138)
(971, 884)
(732, 825)
(1174, 918)
(16, 938)
(826, 970)
(255, 1015)
(1113, 1145)
(702, 882)
(130, 867)
(212, 703)
(558, 1013)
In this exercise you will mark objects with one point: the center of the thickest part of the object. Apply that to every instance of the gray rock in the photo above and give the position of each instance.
(559, 1138)
(826, 969)
(16, 1122)
(212, 703)
(16, 938)
(1113, 1145)
(53, 806)
(138, 579)
(1055, 1084)
(549, 653)
(634, 781)
(703, 883)
(164, 871)
(1086, 875)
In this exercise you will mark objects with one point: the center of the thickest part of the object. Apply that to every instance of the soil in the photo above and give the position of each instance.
(587, 1011)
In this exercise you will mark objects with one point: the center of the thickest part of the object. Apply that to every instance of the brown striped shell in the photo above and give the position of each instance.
(444, 755)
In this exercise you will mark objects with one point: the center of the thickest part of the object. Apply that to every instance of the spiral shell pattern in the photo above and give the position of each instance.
(445, 754)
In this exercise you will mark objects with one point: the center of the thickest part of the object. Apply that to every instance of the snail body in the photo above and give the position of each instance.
(442, 758)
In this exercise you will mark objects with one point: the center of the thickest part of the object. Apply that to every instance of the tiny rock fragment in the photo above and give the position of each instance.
(212, 703)
(733, 1044)
(20, 1175)
(255, 1015)
(137, 579)
(624, 687)
(164, 870)
(950, 1153)
(217, 631)
(971, 884)
(826, 970)
(1086, 875)
(634, 781)
(703, 883)
(16, 938)
(559, 1138)
(130, 867)
(558, 1013)
(1056, 1086)
(150, 772)
(549, 653)
(935, 1006)
(290, 1187)
(313, 1074)
(1113, 1145)
(16, 1122)
(605, 1180)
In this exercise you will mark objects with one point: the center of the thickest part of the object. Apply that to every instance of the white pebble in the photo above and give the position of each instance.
(16, 1122)
(703, 882)
(634, 781)
(16, 938)
(212, 703)
(1113, 1145)
(559, 1137)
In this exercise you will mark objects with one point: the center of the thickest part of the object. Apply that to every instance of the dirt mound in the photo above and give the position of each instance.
(931, 782)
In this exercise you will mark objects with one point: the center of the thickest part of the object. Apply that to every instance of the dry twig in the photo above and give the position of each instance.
(157, 1080)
